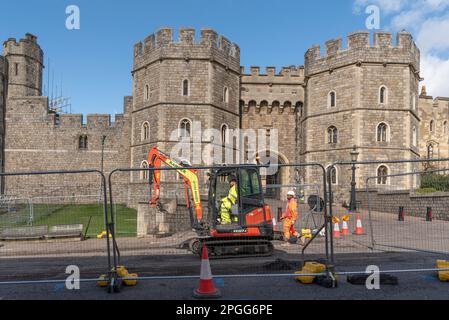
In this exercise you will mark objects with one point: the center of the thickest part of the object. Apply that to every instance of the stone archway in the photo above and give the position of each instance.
(273, 180)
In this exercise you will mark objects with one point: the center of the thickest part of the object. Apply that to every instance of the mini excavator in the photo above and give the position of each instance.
(250, 235)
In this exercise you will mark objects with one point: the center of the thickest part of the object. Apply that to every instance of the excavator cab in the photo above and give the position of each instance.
(248, 209)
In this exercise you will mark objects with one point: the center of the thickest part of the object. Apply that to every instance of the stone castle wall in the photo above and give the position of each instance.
(435, 111)
(56, 147)
(415, 204)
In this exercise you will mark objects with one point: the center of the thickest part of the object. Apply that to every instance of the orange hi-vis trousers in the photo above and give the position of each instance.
(291, 215)
(289, 229)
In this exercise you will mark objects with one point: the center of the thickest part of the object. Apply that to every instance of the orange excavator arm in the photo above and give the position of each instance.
(190, 176)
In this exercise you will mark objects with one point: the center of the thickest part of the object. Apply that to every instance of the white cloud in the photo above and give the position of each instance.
(428, 20)
(433, 34)
(435, 72)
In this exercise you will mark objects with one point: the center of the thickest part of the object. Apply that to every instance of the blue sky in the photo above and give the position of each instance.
(95, 61)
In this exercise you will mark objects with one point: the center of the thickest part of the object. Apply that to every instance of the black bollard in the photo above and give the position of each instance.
(429, 215)
(401, 214)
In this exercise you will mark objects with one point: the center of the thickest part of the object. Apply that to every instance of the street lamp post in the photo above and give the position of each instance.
(103, 138)
(354, 157)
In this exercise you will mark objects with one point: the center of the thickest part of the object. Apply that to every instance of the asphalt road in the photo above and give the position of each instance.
(411, 286)
(423, 285)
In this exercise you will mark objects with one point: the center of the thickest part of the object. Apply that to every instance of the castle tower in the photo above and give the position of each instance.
(25, 60)
(180, 86)
(364, 96)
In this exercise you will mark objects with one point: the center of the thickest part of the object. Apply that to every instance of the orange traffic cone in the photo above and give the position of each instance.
(336, 233)
(359, 231)
(207, 289)
(345, 229)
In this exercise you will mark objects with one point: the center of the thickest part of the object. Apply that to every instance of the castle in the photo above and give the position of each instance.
(365, 95)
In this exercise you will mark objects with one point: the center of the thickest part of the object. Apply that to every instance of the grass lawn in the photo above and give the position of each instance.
(50, 215)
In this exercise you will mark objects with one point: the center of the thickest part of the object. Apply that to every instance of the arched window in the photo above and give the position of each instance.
(430, 151)
(333, 175)
(144, 175)
(332, 99)
(382, 132)
(82, 142)
(414, 102)
(382, 175)
(226, 95)
(432, 126)
(332, 135)
(185, 128)
(147, 92)
(445, 127)
(224, 134)
(145, 131)
(185, 88)
(383, 95)
(415, 137)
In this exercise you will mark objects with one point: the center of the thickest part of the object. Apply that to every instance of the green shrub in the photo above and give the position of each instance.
(427, 190)
(435, 181)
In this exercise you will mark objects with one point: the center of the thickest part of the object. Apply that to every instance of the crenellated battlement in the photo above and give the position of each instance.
(290, 71)
(162, 45)
(360, 49)
(94, 121)
(27, 46)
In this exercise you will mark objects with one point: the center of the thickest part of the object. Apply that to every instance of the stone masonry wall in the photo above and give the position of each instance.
(414, 204)
(437, 111)
(56, 147)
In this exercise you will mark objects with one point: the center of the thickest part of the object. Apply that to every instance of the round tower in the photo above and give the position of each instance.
(25, 60)
(365, 96)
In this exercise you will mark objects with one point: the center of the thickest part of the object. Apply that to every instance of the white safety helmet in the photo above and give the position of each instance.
(291, 193)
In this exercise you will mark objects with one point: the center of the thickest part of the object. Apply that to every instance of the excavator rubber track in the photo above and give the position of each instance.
(236, 248)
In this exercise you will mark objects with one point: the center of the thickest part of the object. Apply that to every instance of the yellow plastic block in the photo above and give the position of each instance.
(103, 234)
(122, 272)
(131, 280)
(306, 233)
(310, 268)
(103, 281)
(443, 275)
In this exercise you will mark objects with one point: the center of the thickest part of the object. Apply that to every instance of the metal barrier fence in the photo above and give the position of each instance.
(382, 216)
(164, 242)
(53, 221)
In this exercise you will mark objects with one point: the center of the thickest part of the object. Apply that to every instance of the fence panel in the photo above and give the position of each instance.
(390, 226)
(160, 239)
(52, 220)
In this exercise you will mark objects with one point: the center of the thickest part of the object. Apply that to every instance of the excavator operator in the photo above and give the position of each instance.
(227, 216)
